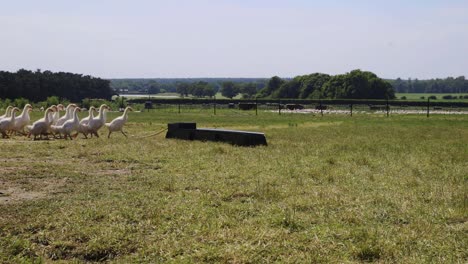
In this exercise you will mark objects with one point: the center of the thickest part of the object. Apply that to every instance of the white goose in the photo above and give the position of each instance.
(7, 124)
(50, 114)
(68, 115)
(41, 126)
(7, 112)
(118, 123)
(70, 125)
(56, 115)
(22, 120)
(84, 123)
(95, 124)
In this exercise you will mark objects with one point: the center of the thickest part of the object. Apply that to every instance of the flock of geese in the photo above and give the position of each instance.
(66, 126)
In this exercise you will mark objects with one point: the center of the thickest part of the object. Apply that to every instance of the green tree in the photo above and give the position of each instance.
(198, 88)
(183, 88)
(273, 84)
(248, 90)
(290, 89)
(209, 91)
(229, 89)
(311, 85)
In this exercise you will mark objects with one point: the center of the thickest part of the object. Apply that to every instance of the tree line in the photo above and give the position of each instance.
(447, 85)
(356, 84)
(38, 86)
(227, 89)
(174, 85)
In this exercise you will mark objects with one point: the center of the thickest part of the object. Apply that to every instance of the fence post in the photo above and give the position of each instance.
(351, 106)
(388, 108)
(256, 106)
(321, 108)
(179, 107)
(214, 105)
(279, 107)
(428, 106)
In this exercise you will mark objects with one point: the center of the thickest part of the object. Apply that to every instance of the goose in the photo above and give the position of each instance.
(7, 124)
(70, 125)
(51, 114)
(83, 127)
(22, 120)
(118, 123)
(68, 115)
(41, 126)
(56, 115)
(99, 121)
(7, 112)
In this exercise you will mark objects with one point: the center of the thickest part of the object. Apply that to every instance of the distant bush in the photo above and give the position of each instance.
(448, 97)
(86, 103)
(465, 97)
(51, 100)
(403, 98)
(20, 102)
(422, 97)
(4, 104)
(433, 97)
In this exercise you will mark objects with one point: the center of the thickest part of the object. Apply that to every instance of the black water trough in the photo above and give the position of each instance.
(189, 131)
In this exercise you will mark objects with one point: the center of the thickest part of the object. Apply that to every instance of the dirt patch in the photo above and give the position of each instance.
(113, 172)
(17, 192)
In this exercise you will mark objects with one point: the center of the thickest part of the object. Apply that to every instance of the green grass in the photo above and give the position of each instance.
(333, 189)
(417, 96)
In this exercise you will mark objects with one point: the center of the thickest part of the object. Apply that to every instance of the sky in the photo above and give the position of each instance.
(228, 38)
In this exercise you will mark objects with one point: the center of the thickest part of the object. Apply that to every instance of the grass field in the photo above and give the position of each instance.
(333, 189)
(439, 96)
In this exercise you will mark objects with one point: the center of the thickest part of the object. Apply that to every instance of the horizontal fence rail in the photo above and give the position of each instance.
(403, 103)
(316, 107)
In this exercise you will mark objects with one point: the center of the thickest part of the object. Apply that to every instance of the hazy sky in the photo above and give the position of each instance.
(228, 38)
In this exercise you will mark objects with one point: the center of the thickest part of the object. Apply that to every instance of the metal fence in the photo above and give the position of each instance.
(385, 108)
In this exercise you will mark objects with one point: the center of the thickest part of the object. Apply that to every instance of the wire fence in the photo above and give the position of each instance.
(320, 108)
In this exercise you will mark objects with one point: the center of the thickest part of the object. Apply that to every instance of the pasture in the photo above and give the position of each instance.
(331, 189)
(439, 96)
